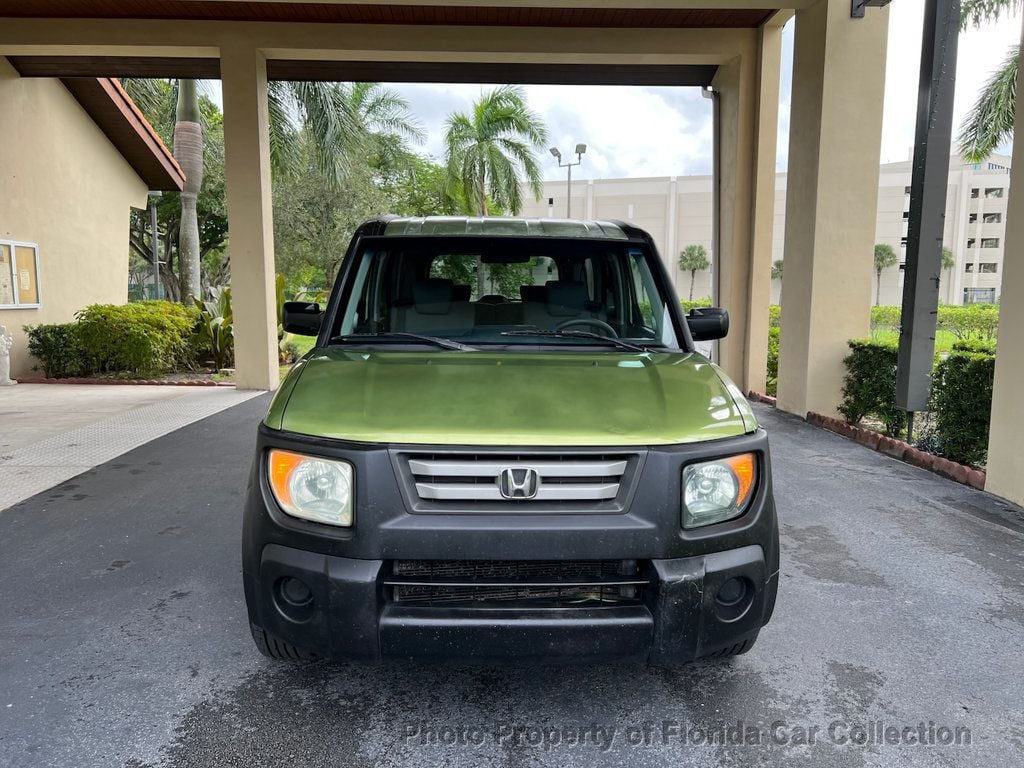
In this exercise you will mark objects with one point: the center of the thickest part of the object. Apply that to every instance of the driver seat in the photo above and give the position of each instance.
(565, 300)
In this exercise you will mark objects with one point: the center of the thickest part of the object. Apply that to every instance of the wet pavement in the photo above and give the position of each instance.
(124, 639)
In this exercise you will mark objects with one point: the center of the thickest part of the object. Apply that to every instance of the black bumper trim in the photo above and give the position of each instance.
(679, 621)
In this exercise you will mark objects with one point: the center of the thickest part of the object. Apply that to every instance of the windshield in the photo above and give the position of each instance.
(489, 291)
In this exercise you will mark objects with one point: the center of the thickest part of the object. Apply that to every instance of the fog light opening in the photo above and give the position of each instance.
(294, 598)
(733, 598)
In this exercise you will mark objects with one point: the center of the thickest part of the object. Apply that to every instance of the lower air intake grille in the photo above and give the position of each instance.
(542, 583)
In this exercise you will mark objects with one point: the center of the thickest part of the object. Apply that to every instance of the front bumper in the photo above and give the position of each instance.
(352, 616)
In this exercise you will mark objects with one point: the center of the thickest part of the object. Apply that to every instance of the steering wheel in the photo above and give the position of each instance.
(592, 321)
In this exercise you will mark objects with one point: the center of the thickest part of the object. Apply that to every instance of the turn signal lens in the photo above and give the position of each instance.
(716, 491)
(311, 488)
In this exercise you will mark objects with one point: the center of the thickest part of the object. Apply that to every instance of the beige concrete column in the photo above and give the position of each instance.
(832, 194)
(763, 209)
(1005, 458)
(734, 83)
(250, 217)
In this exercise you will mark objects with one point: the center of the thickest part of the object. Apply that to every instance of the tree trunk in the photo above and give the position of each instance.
(188, 151)
(878, 287)
(481, 286)
(693, 276)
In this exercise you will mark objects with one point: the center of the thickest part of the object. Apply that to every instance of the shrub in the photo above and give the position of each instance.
(215, 329)
(695, 303)
(772, 380)
(887, 317)
(869, 387)
(143, 337)
(962, 401)
(774, 315)
(59, 350)
(970, 321)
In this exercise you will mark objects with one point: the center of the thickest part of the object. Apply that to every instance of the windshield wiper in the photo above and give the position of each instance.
(360, 338)
(580, 335)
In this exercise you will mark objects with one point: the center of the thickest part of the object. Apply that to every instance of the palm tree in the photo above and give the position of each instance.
(188, 151)
(337, 121)
(990, 121)
(487, 150)
(693, 259)
(777, 269)
(885, 257)
(948, 262)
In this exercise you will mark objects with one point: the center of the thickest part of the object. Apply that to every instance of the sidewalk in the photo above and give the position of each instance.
(50, 433)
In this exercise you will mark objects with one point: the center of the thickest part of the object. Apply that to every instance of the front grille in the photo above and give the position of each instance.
(509, 583)
(517, 480)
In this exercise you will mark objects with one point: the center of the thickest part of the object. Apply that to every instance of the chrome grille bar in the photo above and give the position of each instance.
(491, 492)
(479, 479)
(490, 468)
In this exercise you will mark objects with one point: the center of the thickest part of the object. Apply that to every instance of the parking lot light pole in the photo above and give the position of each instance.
(580, 151)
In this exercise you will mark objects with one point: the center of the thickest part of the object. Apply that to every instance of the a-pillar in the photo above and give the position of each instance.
(250, 217)
(831, 198)
(1005, 457)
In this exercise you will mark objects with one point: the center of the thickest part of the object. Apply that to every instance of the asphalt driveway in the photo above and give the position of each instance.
(123, 638)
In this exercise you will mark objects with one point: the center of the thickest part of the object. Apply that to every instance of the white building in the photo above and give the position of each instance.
(677, 212)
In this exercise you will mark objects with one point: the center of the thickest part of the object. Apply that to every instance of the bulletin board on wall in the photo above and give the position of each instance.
(19, 275)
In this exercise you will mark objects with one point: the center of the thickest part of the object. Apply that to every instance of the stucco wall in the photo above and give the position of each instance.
(64, 187)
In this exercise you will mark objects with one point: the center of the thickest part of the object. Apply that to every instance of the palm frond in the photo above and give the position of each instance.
(976, 12)
(990, 121)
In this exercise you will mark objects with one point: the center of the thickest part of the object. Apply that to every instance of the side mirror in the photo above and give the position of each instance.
(708, 323)
(302, 318)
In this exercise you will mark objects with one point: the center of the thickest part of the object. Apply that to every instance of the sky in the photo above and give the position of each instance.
(635, 131)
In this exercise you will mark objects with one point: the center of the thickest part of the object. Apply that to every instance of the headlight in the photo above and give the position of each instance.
(715, 491)
(311, 487)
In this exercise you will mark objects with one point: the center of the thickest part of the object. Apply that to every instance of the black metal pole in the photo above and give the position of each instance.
(928, 185)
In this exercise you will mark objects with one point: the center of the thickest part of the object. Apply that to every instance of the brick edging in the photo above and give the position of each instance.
(134, 382)
(761, 398)
(898, 449)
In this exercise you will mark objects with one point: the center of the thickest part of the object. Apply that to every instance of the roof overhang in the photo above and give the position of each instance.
(121, 121)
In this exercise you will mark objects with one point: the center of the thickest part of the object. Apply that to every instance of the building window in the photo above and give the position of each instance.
(992, 218)
(974, 192)
(990, 242)
(906, 215)
(979, 295)
(972, 218)
(993, 191)
(970, 242)
(988, 268)
(969, 266)
(19, 275)
(906, 190)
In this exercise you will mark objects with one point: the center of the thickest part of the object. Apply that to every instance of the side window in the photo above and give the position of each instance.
(19, 275)
(641, 290)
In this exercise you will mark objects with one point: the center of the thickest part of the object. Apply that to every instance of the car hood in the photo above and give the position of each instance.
(510, 398)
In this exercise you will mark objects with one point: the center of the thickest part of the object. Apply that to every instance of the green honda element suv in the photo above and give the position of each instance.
(504, 445)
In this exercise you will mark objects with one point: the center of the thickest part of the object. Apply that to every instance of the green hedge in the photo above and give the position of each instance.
(970, 321)
(869, 387)
(58, 348)
(962, 401)
(695, 303)
(774, 315)
(772, 379)
(143, 337)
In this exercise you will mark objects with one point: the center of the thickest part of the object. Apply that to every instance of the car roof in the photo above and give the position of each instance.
(506, 226)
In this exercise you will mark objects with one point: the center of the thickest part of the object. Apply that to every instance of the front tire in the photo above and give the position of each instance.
(277, 649)
(732, 650)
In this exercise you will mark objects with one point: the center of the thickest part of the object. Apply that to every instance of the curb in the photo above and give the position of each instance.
(133, 382)
(761, 398)
(898, 449)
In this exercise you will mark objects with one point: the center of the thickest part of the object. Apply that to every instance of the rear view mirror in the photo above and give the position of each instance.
(301, 317)
(708, 323)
